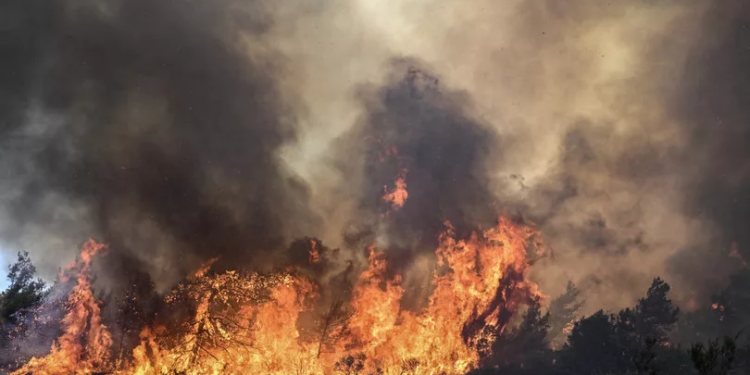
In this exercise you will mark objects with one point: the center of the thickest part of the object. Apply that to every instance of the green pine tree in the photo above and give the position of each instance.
(25, 289)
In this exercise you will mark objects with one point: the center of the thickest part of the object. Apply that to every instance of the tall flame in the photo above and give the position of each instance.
(84, 346)
(398, 195)
(246, 323)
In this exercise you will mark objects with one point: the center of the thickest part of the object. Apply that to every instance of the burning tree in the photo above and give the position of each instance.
(219, 320)
(332, 324)
(236, 322)
(84, 345)
(134, 311)
(524, 344)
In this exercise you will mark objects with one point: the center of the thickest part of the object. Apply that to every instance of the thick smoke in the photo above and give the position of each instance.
(422, 132)
(178, 131)
(585, 138)
(713, 103)
(415, 128)
(152, 125)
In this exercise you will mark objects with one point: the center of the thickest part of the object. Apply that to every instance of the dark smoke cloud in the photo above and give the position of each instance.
(713, 101)
(414, 123)
(415, 127)
(158, 121)
(599, 202)
(23, 32)
(620, 128)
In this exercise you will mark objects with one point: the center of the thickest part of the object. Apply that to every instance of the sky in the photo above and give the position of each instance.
(4, 253)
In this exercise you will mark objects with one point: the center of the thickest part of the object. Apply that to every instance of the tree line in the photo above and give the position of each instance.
(651, 338)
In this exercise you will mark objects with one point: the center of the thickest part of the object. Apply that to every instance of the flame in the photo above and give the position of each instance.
(84, 345)
(247, 323)
(398, 196)
(203, 269)
(314, 256)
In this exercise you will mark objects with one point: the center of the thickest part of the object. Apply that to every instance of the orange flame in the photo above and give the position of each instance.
(398, 196)
(84, 345)
(248, 323)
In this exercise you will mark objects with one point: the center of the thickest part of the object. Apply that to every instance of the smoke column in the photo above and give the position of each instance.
(177, 131)
(155, 126)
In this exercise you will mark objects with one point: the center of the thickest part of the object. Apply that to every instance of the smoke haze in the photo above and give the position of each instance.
(177, 131)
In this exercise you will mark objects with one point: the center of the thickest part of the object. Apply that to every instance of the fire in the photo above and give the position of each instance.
(398, 196)
(84, 345)
(247, 323)
(314, 252)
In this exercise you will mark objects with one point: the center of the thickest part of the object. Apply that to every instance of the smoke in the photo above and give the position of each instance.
(154, 126)
(417, 128)
(179, 131)
(573, 117)
(712, 105)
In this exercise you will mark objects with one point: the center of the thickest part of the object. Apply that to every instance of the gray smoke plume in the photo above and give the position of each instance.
(180, 131)
(583, 130)
(713, 104)
(152, 126)
(415, 127)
